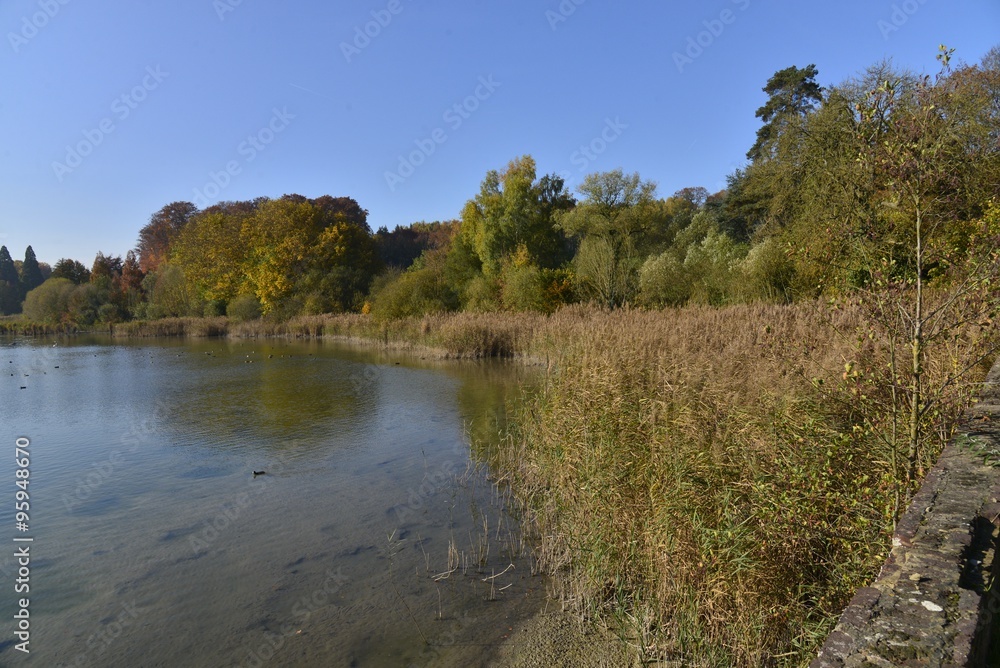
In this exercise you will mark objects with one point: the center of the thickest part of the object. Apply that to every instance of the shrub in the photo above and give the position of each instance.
(109, 313)
(767, 274)
(49, 302)
(244, 308)
(523, 289)
(214, 308)
(84, 304)
(663, 282)
(481, 294)
(168, 293)
(415, 292)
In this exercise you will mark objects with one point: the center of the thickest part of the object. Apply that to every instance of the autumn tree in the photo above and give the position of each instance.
(292, 254)
(343, 264)
(127, 290)
(211, 253)
(320, 249)
(156, 236)
(105, 269)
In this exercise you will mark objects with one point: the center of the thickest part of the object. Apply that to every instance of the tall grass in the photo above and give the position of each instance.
(19, 326)
(718, 481)
(452, 335)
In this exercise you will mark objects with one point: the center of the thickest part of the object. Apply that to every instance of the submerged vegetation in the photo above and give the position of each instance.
(742, 389)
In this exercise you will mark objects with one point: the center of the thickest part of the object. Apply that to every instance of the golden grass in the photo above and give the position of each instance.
(713, 479)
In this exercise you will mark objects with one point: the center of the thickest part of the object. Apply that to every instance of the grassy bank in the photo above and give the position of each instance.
(12, 325)
(457, 335)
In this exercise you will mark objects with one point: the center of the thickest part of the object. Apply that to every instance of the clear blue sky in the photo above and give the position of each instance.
(161, 95)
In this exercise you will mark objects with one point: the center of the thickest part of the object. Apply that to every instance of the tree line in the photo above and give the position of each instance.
(884, 179)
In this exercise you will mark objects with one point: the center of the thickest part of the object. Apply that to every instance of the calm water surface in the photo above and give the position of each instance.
(366, 543)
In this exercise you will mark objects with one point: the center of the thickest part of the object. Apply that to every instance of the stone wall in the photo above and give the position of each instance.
(932, 604)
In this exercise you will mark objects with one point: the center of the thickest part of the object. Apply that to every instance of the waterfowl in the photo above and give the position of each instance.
(257, 473)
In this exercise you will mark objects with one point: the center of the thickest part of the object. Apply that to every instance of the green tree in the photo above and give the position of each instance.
(167, 293)
(31, 273)
(10, 284)
(613, 223)
(793, 92)
(514, 209)
(49, 302)
(71, 270)
(921, 147)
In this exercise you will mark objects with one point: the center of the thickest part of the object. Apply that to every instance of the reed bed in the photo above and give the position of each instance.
(17, 326)
(468, 335)
(718, 482)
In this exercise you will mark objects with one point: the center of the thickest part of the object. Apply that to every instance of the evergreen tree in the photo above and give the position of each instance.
(10, 284)
(31, 273)
(793, 93)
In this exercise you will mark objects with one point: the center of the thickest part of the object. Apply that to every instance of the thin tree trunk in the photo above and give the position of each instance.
(917, 346)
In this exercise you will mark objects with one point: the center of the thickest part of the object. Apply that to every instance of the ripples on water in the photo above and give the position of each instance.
(155, 545)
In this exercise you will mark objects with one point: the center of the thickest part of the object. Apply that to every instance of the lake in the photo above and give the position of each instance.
(371, 539)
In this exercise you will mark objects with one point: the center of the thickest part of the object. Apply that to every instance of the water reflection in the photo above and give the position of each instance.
(366, 541)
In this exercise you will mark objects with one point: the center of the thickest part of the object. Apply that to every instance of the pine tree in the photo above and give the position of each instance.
(31, 274)
(793, 93)
(10, 284)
